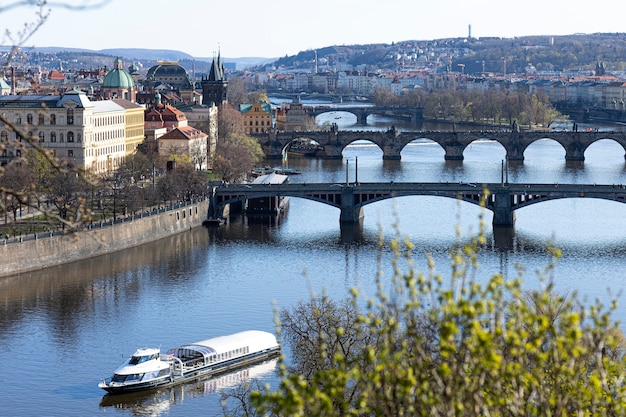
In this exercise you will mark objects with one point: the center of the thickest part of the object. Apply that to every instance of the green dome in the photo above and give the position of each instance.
(118, 78)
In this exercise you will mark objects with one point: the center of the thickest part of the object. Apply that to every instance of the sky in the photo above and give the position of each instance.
(276, 28)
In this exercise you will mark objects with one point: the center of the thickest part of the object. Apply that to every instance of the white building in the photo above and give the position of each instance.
(88, 134)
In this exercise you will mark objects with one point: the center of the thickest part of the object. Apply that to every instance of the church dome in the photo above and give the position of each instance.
(170, 72)
(133, 69)
(118, 77)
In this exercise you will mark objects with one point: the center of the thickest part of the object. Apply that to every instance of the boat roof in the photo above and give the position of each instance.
(255, 339)
(146, 351)
(272, 178)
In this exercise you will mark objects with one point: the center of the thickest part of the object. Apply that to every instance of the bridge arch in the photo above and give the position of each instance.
(497, 151)
(615, 144)
(356, 143)
(420, 147)
(545, 148)
(337, 117)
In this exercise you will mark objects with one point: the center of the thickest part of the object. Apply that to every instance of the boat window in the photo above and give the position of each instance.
(135, 360)
(126, 378)
(151, 375)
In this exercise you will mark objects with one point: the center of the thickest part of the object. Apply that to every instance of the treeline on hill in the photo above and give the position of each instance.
(492, 106)
(546, 53)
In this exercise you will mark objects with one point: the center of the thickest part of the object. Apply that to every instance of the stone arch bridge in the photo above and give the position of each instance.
(500, 198)
(275, 143)
(411, 114)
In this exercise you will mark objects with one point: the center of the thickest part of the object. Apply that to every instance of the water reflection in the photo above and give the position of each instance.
(69, 295)
(158, 402)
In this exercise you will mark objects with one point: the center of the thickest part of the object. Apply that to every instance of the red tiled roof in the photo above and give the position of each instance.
(183, 133)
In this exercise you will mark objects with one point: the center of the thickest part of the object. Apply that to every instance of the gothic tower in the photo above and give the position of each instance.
(214, 86)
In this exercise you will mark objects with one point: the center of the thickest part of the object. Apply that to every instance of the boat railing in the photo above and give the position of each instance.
(177, 365)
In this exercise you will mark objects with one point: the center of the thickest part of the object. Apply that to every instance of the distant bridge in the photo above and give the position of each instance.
(411, 114)
(333, 141)
(501, 198)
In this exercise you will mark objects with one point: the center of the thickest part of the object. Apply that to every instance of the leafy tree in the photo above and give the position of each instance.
(455, 346)
(235, 157)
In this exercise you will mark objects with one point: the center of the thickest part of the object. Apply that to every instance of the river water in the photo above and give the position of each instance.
(65, 328)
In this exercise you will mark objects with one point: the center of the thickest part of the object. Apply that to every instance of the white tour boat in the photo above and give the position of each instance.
(147, 368)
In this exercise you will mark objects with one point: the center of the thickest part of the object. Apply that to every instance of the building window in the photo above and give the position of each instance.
(18, 153)
(18, 119)
(70, 153)
(53, 119)
(70, 118)
(29, 118)
(70, 136)
(41, 137)
(4, 136)
(42, 119)
(53, 136)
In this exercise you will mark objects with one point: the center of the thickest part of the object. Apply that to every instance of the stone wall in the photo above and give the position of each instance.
(43, 251)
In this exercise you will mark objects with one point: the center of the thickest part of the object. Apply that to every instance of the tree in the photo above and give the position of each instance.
(29, 142)
(18, 178)
(229, 121)
(460, 345)
(235, 157)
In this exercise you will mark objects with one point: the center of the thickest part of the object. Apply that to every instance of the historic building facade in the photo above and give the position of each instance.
(169, 76)
(257, 117)
(214, 86)
(294, 117)
(118, 83)
(90, 135)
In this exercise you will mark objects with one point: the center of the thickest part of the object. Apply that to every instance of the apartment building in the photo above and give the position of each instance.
(90, 135)
(257, 117)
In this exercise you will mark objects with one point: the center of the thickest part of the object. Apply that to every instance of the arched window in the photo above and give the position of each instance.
(53, 136)
(70, 136)
(53, 119)
(41, 137)
(70, 118)
(29, 118)
(18, 119)
(4, 136)
(42, 119)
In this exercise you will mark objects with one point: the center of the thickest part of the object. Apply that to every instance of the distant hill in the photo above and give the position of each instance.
(149, 55)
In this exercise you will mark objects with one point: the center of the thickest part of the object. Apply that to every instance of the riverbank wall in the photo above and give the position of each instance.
(20, 255)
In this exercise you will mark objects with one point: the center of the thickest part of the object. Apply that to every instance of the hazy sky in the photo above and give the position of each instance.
(275, 28)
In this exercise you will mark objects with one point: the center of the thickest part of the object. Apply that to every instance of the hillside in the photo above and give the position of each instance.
(580, 52)
(557, 53)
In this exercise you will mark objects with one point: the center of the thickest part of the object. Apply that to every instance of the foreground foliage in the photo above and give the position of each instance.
(458, 346)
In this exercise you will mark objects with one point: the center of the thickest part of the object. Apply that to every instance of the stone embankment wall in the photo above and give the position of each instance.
(41, 251)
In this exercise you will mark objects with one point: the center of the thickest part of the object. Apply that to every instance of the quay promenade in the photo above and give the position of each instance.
(500, 198)
(37, 251)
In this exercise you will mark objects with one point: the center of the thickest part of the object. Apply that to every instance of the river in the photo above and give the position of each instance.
(65, 328)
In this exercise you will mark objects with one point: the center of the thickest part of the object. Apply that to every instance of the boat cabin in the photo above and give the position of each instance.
(144, 355)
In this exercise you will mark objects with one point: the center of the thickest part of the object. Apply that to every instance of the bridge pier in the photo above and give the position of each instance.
(503, 213)
(349, 213)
